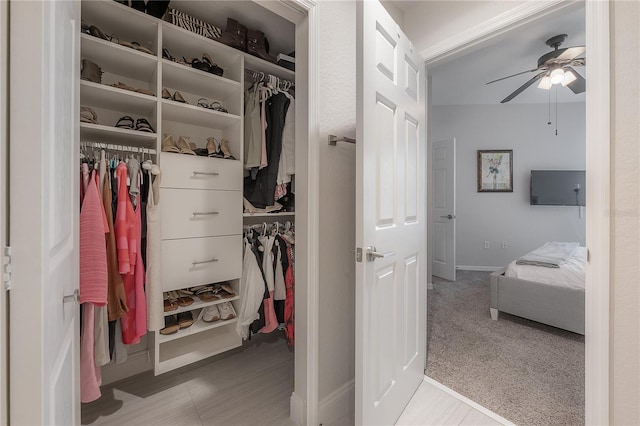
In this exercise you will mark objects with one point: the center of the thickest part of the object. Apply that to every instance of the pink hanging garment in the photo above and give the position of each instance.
(90, 378)
(141, 300)
(93, 251)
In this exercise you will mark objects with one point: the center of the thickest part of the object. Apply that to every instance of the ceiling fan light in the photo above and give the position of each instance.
(569, 77)
(545, 83)
(557, 76)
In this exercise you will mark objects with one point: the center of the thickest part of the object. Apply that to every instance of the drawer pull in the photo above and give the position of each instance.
(206, 173)
(204, 213)
(200, 262)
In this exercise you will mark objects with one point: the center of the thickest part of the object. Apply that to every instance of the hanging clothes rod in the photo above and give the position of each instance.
(263, 75)
(333, 140)
(116, 147)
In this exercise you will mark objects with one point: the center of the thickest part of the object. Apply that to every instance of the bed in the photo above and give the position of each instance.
(552, 296)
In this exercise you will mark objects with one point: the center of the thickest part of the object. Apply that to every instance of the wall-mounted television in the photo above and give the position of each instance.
(558, 187)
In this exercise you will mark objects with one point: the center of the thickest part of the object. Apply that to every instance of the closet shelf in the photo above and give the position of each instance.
(131, 23)
(197, 327)
(115, 135)
(116, 59)
(198, 304)
(198, 116)
(191, 80)
(108, 97)
(277, 214)
(256, 64)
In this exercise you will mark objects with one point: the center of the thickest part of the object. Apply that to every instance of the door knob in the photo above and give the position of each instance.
(449, 216)
(372, 254)
(75, 297)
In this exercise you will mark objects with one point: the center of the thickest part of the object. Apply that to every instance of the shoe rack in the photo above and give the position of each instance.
(201, 197)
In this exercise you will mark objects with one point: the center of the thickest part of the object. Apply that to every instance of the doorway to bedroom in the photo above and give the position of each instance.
(528, 365)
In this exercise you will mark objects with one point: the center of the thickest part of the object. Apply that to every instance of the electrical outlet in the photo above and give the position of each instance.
(486, 244)
(504, 245)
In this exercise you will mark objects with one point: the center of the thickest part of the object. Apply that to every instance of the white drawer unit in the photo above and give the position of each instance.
(189, 213)
(196, 261)
(193, 172)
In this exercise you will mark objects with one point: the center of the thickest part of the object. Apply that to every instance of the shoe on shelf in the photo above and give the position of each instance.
(88, 115)
(211, 314)
(213, 67)
(183, 146)
(168, 144)
(166, 94)
(185, 319)
(212, 146)
(234, 35)
(125, 122)
(90, 71)
(226, 311)
(257, 45)
(144, 126)
(137, 46)
(177, 96)
(170, 325)
(224, 147)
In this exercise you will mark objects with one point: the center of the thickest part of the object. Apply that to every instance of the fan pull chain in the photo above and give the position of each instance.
(556, 111)
(549, 104)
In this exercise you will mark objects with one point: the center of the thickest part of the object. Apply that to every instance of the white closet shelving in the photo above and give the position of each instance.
(190, 184)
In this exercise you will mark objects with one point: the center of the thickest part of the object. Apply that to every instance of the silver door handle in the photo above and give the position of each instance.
(206, 173)
(75, 297)
(204, 213)
(449, 216)
(200, 262)
(372, 254)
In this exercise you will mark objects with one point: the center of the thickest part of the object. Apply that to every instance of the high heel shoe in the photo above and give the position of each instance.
(212, 145)
(166, 94)
(168, 144)
(224, 147)
(178, 97)
(183, 146)
(214, 68)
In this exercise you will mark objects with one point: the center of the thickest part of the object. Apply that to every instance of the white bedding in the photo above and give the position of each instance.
(569, 275)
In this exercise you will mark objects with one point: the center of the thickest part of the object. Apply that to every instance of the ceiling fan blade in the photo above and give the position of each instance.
(509, 76)
(523, 87)
(578, 85)
(578, 62)
(571, 53)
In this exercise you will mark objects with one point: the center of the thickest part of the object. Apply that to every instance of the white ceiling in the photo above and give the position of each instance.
(461, 81)
(279, 31)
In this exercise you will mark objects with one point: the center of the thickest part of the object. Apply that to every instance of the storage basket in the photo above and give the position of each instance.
(192, 24)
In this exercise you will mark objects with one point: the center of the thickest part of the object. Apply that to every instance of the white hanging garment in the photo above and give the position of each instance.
(251, 292)
(155, 314)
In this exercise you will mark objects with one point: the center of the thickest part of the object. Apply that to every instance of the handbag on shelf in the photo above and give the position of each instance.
(192, 24)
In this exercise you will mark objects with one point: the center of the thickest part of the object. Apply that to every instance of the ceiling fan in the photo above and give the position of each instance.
(556, 68)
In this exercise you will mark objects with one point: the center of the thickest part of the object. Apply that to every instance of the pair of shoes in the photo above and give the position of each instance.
(137, 46)
(155, 8)
(141, 124)
(179, 298)
(223, 311)
(219, 149)
(206, 64)
(88, 115)
(90, 71)
(173, 323)
(208, 293)
(253, 42)
(121, 85)
(177, 96)
(181, 147)
(214, 105)
(167, 55)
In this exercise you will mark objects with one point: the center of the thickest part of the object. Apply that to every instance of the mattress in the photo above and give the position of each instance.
(569, 275)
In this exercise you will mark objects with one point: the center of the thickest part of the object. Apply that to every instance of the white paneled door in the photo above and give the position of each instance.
(444, 209)
(391, 218)
(43, 212)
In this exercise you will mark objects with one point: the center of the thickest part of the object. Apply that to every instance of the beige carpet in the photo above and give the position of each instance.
(527, 372)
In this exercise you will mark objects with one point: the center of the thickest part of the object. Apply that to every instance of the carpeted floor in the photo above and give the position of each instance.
(527, 372)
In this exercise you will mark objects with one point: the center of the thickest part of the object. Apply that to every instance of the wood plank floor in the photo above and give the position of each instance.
(251, 386)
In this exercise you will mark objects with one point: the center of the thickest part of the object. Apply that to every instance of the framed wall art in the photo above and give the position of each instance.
(495, 170)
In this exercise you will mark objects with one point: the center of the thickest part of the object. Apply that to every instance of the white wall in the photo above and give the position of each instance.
(498, 217)
(625, 223)
(337, 115)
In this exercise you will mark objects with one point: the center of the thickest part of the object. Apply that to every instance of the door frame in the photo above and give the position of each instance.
(598, 153)
(4, 172)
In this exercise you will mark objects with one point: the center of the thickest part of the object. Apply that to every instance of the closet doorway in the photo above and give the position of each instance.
(60, 375)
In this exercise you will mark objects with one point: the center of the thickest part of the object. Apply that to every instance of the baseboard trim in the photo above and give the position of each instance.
(478, 268)
(297, 411)
(337, 404)
(469, 402)
(136, 363)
